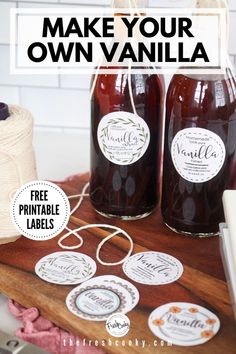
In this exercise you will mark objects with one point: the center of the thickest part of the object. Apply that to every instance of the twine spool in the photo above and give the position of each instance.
(17, 164)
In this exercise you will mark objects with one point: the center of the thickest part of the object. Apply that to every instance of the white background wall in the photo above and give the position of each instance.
(60, 103)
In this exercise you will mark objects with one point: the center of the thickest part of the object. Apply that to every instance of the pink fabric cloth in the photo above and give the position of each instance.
(43, 333)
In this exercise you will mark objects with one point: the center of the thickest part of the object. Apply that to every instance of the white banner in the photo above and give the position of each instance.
(82, 40)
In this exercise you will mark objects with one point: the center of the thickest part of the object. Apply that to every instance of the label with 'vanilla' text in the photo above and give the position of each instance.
(100, 297)
(96, 303)
(198, 154)
(123, 137)
(153, 268)
(66, 268)
(183, 324)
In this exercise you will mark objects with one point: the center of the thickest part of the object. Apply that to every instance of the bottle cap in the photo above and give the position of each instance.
(4, 111)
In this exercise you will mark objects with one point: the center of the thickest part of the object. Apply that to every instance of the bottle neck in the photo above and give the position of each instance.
(221, 4)
(228, 73)
(129, 4)
(218, 4)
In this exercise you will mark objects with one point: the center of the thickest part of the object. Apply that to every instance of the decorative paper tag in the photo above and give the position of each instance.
(112, 279)
(198, 154)
(66, 268)
(183, 324)
(153, 268)
(123, 137)
(100, 297)
(97, 303)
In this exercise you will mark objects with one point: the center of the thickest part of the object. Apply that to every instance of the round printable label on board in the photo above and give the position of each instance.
(40, 210)
(130, 291)
(123, 137)
(183, 324)
(85, 301)
(66, 268)
(198, 154)
(98, 302)
(153, 268)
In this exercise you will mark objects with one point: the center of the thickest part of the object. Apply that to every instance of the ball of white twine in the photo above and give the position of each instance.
(17, 163)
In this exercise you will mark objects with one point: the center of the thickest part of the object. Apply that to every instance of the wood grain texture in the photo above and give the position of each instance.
(202, 283)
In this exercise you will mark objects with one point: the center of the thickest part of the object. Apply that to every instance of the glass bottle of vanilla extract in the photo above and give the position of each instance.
(200, 149)
(126, 127)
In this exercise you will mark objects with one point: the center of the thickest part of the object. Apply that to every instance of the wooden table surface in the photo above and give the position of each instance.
(203, 281)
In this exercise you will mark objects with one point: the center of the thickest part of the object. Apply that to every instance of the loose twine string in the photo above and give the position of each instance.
(75, 232)
(17, 162)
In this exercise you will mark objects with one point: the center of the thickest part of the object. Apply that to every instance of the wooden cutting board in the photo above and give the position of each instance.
(203, 281)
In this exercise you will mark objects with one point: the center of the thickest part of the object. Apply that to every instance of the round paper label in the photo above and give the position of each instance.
(129, 290)
(153, 268)
(183, 324)
(97, 302)
(198, 154)
(66, 268)
(123, 137)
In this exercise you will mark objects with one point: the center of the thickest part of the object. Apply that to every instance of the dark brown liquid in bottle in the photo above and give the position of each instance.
(127, 191)
(196, 208)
